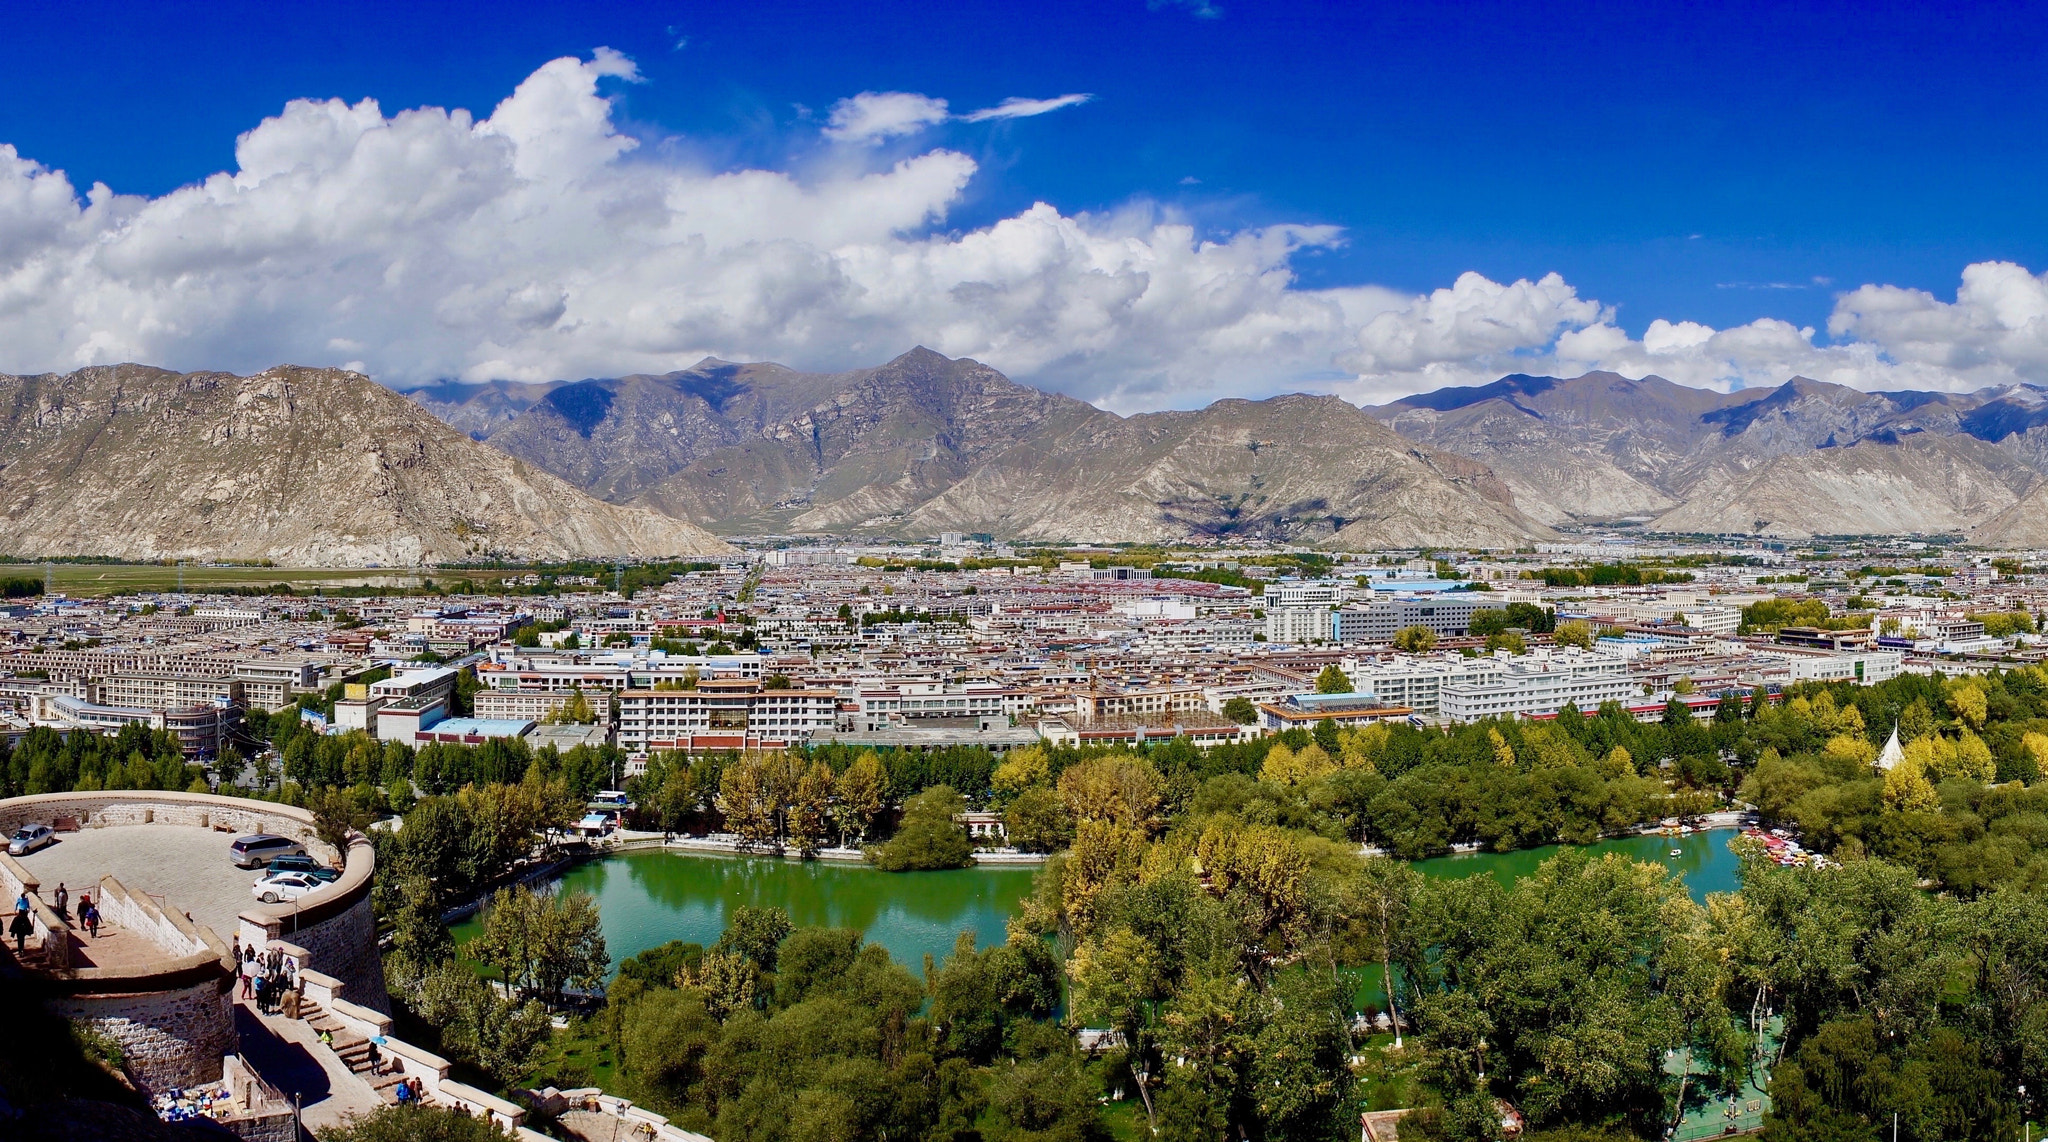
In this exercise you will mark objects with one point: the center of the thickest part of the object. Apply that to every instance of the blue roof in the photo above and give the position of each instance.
(1416, 586)
(480, 727)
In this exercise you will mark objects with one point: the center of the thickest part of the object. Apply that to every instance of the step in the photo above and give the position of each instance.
(385, 1084)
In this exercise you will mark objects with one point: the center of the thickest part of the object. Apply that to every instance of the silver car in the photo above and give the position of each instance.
(29, 838)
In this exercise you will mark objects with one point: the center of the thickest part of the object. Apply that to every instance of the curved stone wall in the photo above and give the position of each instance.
(171, 1037)
(174, 1017)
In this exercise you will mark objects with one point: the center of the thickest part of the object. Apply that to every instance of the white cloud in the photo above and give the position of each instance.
(874, 116)
(1018, 107)
(540, 242)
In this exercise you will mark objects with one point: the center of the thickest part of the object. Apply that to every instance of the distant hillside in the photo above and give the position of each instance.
(925, 443)
(300, 466)
(1804, 458)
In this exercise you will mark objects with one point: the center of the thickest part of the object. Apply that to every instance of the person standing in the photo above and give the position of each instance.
(19, 928)
(63, 901)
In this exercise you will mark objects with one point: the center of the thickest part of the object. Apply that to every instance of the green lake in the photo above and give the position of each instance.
(647, 898)
(650, 897)
(1703, 859)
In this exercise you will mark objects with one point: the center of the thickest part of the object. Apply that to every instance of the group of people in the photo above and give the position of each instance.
(270, 978)
(21, 926)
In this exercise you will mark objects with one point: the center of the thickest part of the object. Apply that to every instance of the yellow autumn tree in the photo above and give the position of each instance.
(1503, 753)
(1363, 747)
(1853, 748)
(1966, 701)
(2036, 746)
(1287, 767)
(1906, 788)
(1021, 770)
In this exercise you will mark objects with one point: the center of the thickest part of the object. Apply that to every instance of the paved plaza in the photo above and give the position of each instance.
(179, 867)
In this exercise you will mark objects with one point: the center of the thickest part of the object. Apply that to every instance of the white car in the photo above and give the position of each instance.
(283, 886)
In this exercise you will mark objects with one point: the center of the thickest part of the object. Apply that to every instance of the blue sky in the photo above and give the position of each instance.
(1713, 164)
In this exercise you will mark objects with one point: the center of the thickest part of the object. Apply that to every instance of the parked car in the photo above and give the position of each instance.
(259, 849)
(29, 838)
(301, 862)
(282, 886)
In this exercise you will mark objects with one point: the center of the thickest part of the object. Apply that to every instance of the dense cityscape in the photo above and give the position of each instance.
(1215, 766)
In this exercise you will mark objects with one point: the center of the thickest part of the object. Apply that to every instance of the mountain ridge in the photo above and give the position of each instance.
(296, 465)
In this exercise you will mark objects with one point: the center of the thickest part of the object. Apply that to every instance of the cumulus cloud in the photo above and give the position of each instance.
(1018, 107)
(1879, 337)
(873, 116)
(541, 242)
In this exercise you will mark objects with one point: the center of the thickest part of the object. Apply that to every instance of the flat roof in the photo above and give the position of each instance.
(483, 727)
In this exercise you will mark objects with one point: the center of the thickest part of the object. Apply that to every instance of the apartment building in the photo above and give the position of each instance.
(1103, 705)
(537, 705)
(162, 691)
(1539, 685)
(1297, 625)
(1417, 682)
(875, 706)
(1448, 613)
(1305, 711)
(722, 714)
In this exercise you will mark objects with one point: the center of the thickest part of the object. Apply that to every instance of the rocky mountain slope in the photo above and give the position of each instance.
(926, 443)
(300, 466)
(1804, 458)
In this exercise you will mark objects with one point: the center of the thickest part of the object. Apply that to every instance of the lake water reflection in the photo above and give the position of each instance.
(650, 897)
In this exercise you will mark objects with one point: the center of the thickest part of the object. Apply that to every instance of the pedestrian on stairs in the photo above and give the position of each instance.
(20, 928)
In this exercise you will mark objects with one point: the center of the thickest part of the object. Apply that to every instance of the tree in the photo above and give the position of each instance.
(336, 815)
(574, 711)
(1037, 823)
(1577, 633)
(1333, 681)
(415, 1124)
(1415, 639)
(498, 1034)
(776, 682)
(750, 800)
(543, 942)
(928, 836)
(810, 812)
(862, 796)
(1375, 902)
(1240, 710)
(1121, 789)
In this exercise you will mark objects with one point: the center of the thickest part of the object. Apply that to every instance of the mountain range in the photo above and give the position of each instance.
(325, 467)
(305, 467)
(925, 444)
(1804, 458)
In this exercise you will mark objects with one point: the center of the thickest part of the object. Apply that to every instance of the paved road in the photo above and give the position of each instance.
(180, 867)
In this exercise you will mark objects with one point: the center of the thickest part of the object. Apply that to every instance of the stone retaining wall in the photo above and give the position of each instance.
(170, 1038)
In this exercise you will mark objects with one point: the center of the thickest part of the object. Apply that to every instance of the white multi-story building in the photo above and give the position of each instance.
(1864, 666)
(1298, 625)
(1448, 613)
(1417, 683)
(721, 715)
(1325, 593)
(1539, 685)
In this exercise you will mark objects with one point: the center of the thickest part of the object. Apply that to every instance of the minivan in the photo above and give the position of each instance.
(259, 849)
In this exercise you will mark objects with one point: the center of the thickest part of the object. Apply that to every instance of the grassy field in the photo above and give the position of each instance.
(88, 579)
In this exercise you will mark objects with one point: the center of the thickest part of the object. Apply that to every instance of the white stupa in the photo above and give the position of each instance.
(1891, 755)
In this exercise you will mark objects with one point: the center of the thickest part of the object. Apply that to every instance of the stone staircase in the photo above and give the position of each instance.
(352, 1049)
